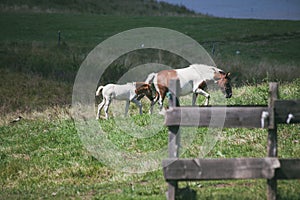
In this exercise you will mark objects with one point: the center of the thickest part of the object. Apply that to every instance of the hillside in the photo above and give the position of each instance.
(103, 7)
(43, 155)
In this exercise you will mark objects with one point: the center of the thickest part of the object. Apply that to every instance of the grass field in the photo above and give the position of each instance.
(103, 7)
(29, 42)
(43, 157)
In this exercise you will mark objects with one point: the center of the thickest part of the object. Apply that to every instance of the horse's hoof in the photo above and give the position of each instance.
(162, 112)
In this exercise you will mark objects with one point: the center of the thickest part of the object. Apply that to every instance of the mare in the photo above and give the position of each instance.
(192, 79)
(130, 92)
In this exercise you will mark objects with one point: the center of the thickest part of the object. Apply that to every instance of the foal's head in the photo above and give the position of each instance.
(223, 80)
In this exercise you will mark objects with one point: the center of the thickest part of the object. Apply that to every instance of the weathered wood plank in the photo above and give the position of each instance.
(285, 107)
(220, 116)
(214, 169)
(218, 169)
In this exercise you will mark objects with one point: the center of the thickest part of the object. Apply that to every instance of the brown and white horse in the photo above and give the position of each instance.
(192, 79)
(130, 92)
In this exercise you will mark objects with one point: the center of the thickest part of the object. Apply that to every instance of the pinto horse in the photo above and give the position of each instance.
(130, 92)
(192, 79)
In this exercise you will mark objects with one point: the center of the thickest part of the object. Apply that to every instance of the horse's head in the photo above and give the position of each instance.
(146, 89)
(223, 80)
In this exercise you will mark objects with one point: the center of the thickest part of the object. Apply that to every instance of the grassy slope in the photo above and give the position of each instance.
(43, 157)
(103, 7)
(29, 42)
(46, 159)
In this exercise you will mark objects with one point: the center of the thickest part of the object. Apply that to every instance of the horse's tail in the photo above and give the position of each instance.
(150, 78)
(100, 88)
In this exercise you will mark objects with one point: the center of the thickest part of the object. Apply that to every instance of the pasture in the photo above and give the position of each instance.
(29, 42)
(43, 157)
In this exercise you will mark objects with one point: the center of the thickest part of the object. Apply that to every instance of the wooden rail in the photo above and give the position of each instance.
(270, 167)
(230, 168)
(240, 116)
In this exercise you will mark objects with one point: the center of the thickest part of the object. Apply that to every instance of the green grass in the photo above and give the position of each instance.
(31, 94)
(103, 7)
(28, 42)
(45, 158)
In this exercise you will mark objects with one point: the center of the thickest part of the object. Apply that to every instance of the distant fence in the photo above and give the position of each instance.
(270, 167)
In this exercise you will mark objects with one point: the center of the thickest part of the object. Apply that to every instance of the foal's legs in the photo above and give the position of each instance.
(106, 106)
(139, 104)
(100, 106)
(126, 108)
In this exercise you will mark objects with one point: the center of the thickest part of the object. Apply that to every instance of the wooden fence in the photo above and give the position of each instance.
(270, 167)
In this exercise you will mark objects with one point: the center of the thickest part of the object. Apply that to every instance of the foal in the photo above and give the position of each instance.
(130, 92)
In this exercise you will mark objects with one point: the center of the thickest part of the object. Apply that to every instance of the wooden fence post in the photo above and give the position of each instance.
(59, 37)
(272, 138)
(270, 168)
(174, 136)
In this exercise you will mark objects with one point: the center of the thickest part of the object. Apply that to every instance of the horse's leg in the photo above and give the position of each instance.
(161, 103)
(202, 92)
(106, 106)
(151, 107)
(195, 95)
(207, 100)
(139, 104)
(153, 102)
(100, 106)
(126, 108)
(162, 91)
